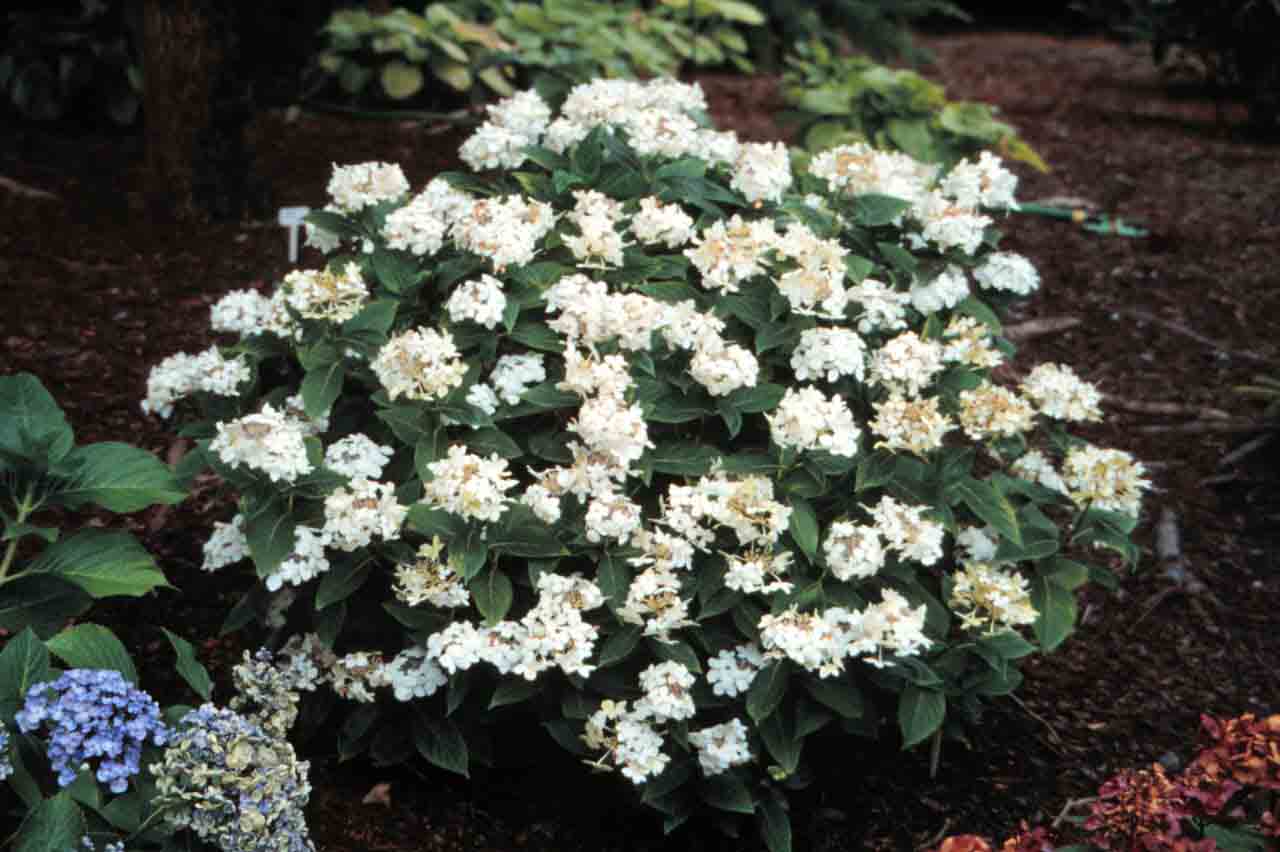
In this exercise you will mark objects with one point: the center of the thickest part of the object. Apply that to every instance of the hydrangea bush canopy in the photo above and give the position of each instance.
(693, 446)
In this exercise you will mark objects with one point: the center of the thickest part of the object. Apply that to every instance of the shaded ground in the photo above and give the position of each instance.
(1168, 325)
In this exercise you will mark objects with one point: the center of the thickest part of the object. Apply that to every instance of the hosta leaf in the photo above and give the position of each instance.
(400, 80)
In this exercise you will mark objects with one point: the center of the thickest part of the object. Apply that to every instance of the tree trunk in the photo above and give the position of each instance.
(181, 62)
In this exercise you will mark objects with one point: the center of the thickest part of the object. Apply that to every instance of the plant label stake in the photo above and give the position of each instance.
(291, 218)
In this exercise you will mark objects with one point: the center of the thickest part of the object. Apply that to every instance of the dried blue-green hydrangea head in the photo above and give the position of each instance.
(267, 694)
(235, 785)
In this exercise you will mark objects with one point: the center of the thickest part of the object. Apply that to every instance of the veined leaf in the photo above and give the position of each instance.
(102, 563)
(91, 646)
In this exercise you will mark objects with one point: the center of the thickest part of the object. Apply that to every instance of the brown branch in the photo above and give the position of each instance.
(1040, 327)
(1195, 426)
(1070, 806)
(1172, 409)
(26, 191)
(1179, 328)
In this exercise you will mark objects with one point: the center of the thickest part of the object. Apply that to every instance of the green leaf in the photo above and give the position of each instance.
(42, 602)
(33, 425)
(102, 563)
(781, 742)
(767, 690)
(804, 527)
(24, 662)
(191, 670)
(920, 713)
(620, 645)
(341, 581)
(409, 423)
(117, 477)
(520, 533)
(91, 646)
(513, 692)
(474, 551)
(334, 223)
(844, 698)
(979, 310)
(57, 823)
(441, 743)
(1067, 574)
(991, 506)
(874, 470)
(613, 575)
(432, 522)
(727, 793)
(689, 167)
(1057, 612)
(873, 210)
(681, 458)
(322, 386)
(491, 440)
(271, 532)
(755, 400)
(397, 272)
(376, 318)
(493, 594)
(775, 824)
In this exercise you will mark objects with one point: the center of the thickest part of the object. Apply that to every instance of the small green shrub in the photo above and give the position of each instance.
(683, 453)
(837, 99)
(51, 62)
(880, 28)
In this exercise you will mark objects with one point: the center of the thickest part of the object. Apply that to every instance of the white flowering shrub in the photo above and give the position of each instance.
(694, 454)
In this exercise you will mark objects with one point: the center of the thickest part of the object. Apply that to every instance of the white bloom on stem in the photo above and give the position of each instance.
(269, 442)
(991, 599)
(829, 353)
(181, 375)
(357, 456)
(1059, 393)
(853, 551)
(989, 411)
(242, 312)
(807, 420)
(354, 516)
(721, 747)
(1105, 479)
(1035, 467)
(362, 185)
(514, 374)
(413, 674)
(420, 363)
(906, 364)
(948, 224)
(762, 171)
(305, 562)
(947, 290)
(914, 425)
(659, 223)
(1004, 270)
(731, 672)
(468, 485)
(723, 370)
(906, 530)
(482, 302)
(667, 692)
(986, 183)
(226, 545)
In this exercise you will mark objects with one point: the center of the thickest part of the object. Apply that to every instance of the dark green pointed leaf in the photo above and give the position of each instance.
(767, 690)
(33, 426)
(57, 823)
(493, 594)
(513, 691)
(24, 662)
(1057, 612)
(42, 602)
(322, 386)
(727, 793)
(920, 713)
(804, 527)
(343, 579)
(682, 458)
(91, 646)
(775, 824)
(836, 693)
(485, 442)
(396, 271)
(191, 670)
(440, 741)
(271, 532)
(991, 506)
(619, 645)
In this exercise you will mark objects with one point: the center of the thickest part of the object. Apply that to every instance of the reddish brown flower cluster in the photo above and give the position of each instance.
(1142, 809)
(1245, 750)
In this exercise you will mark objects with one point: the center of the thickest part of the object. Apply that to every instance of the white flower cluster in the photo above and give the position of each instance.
(807, 419)
(821, 642)
(882, 307)
(413, 674)
(1007, 271)
(914, 425)
(597, 243)
(354, 516)
(1035, 467)
(728, 252)
(470, 486)
(829, 353)
(721, 747)
(325, 295)
(270, 442)
(242, 312)
(1104, 479)
(967, 341)
(357, 456)
(666, 692)
(659, 223)
(482, 302)
(857, 551)
(182, 375)
(732, 671)
(816, 284)
(991, 599)
(514, 124)
(762, 171)
(628, 739)
(430, 579)
(506, 230)
(362, 185)
(512, 375)
(990, 411)
(305, 562)
(906, 365)
(986, 183)
(1059, 393)
(422, 225)
(758, 571)
(420, 363)
(226, 545)
(947, 290)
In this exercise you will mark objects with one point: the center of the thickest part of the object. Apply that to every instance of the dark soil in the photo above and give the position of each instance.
(1169, 324)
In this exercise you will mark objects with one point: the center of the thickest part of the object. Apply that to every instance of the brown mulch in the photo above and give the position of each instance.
(1169, 324)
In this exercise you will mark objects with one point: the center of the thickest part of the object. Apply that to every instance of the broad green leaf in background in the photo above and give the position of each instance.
(920, 713)
(42, 602)
(116, 476)
(91, 646)
(57, 823)
(33, 425)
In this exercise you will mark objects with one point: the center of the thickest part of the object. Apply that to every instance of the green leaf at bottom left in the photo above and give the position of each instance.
(57, 823)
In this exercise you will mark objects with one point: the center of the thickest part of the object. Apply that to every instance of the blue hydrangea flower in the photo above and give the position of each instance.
(6, 768)
(93, 715)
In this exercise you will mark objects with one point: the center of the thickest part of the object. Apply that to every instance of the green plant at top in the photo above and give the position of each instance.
(881, 28)
(640, 432)
(836, 99)
(50, 62)
(42, 470)
(494, 45)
